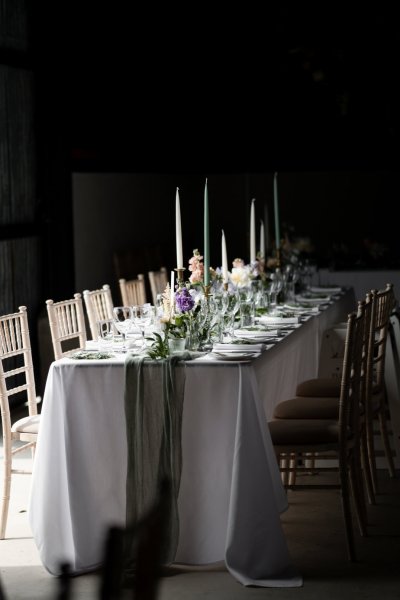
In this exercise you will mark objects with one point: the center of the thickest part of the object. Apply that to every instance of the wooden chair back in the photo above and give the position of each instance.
(67, 326)
(332, 439)
(384, 302)
(158, 282)
(99, 307)
(16, 378)
(133, 291)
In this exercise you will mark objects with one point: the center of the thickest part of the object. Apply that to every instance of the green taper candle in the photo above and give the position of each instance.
(276, 211)
(206, 239)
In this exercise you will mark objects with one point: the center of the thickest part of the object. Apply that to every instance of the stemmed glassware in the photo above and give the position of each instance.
(233, 302)
(105, 337)
(306, 272)
(142, 316)
(123, 322)
(290, 277)
(210, 317)
(274, 289)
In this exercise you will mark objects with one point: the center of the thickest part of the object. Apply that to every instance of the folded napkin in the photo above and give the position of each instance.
(253, 335)
(267, 319)
(238, 347)
(322, 289)
(312, 299)
(301, 309)
(92, 345)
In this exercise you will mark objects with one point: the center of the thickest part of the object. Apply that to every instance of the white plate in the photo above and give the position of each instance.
(234, 355)
(261, 333)
(313, 299)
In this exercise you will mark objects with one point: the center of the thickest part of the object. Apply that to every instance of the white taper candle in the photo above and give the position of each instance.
(252, 232)
(224, 259)
(178, 230)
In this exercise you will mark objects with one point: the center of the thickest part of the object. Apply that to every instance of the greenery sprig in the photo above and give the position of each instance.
(159, 348)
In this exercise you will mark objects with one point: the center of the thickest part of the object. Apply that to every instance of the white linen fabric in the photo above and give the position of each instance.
(321, 289)
(231, 493)
(238, 347)
(271, 320)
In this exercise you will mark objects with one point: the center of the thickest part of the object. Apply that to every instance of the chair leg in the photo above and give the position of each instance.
(284, 464)
(6, 489)
(357, 486)
(371, 454)
(292, 465)
(366, 469)
(385, 440)
(345, 492)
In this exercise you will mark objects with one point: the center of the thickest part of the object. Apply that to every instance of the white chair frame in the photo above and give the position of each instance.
(133, 291)
(99, 307)
(158, 282)
(67, 322)
(15, 344)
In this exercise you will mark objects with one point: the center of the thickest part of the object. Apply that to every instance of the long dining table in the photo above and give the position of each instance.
(230, 496)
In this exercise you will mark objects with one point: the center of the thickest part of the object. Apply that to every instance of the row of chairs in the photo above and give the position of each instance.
(67, 319)
(333, 419)
(68, 333)
(133, 291)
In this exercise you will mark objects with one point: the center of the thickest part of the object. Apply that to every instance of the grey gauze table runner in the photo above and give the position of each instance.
(154, 392)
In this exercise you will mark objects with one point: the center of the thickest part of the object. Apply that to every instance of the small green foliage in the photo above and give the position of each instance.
(159, 348)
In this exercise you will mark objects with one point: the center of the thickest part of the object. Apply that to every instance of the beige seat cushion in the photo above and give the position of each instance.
(307, 408)
(27, 425)
(285, 432)
(320, 386)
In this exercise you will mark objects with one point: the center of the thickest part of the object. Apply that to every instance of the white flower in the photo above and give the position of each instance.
(241, 276)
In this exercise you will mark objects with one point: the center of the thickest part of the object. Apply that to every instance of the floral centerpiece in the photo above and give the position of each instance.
(196, 267)
(176, 320)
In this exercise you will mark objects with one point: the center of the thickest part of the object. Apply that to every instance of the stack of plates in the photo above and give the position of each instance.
(235, 348)
(325, 289)
(260, 335)
(277, 320)
(310, 299)
(234, 355)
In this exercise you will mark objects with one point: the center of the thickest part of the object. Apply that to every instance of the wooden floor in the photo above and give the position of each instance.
(314, 530)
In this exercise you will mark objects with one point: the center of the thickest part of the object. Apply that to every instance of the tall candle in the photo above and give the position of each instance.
(172, 293)
(266, 221)
(262, 240)
(276, 210)
(206, 239)
(178, 230)
(252, 232)
(224, 259)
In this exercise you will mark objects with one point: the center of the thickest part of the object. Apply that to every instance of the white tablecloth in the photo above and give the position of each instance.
(231, 494)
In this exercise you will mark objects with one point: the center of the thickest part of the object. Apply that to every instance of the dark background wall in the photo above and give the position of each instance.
(167, 97)
(121, 212)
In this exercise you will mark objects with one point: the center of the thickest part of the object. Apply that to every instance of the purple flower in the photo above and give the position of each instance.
(184, 300)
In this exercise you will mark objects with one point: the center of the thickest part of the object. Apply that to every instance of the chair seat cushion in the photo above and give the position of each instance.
(285, 432)
(27, 425)
(319, 386)
(307, 408)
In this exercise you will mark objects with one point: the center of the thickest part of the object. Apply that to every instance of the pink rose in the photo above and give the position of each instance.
(237, 263)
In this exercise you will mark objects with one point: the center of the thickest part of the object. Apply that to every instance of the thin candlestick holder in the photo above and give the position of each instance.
(206, 289)
(179, 277)
(278, 258)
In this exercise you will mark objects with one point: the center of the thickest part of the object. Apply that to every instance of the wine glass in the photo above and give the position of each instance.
(142, 316)
(274, 289)
(290, 277)
(123, 322)
(105, 337)
(212, 322)
(233, 301)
